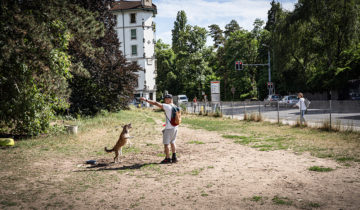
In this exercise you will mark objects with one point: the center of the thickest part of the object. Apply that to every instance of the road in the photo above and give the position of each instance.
(288, 115)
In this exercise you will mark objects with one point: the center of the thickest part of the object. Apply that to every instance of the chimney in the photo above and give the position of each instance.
(146, 3)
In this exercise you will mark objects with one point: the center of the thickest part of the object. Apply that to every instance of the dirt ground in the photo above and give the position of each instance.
(212, 173)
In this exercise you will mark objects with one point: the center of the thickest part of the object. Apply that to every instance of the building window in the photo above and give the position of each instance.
(133, 49)
(149, 61)
(133, 18)
(133, 33)
(137, 83)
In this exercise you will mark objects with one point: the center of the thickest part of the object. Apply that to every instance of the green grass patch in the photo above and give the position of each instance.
(195, 142)
(203, 194)
(281, 201)
(150, 120)
(268, 146)
(345, 159)
(209, 185)
(196, 172)
(244, 140)
(152, 145)
(131, 149)
(320, 169)
(213, 124)
(152, 167)
(312, 205)
(160, 155)
(264, 144)
(8, 203)
(256, 198)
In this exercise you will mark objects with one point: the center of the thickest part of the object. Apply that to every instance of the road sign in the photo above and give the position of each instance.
(215, 87)
(215, 91)
(233, 90)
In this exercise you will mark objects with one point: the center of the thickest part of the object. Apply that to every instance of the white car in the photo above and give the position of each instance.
(179, 99)
(182, 99)
(272, 100)
(288, 101)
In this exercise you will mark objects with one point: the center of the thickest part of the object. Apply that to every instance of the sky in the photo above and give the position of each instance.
(206, 12)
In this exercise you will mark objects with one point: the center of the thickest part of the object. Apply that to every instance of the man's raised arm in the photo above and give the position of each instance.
(155, 103)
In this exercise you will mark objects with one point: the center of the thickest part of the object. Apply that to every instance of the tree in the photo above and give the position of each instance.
(183, 70)
(165, 58)
(111, 80)
(231, 27)
(217, 34)
(313, 42)
(179, 32)
(34, 62)
(258, 23)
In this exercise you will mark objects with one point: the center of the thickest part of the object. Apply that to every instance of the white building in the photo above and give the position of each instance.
(136, 33)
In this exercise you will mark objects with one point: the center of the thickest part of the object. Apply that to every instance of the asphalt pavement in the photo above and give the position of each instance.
(287, 115)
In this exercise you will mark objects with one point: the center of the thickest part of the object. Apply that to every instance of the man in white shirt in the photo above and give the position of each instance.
(170, 131)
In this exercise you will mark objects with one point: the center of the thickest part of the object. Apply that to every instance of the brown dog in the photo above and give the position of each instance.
(123, 139)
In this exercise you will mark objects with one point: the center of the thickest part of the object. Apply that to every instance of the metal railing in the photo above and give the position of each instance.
(333, 113)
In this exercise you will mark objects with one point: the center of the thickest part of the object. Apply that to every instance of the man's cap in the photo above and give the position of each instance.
(168, 96)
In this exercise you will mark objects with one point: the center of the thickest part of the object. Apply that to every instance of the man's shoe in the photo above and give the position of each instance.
(174, 159)
(165, 161)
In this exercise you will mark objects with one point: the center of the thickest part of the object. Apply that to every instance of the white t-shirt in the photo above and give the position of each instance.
(301, 104)
(168, 109)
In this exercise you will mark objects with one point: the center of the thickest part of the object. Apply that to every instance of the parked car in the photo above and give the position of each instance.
(179, 99)
(288, 101)
(354, 96)
(272, 100)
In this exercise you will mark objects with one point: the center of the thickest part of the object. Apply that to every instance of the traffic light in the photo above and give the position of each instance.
(238, 65)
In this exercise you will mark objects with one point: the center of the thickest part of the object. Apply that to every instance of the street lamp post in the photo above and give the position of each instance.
(239, 66)
(270, 89)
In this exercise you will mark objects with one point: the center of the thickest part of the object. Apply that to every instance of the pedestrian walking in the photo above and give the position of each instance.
(170, 131)
(302, 107)
(194, 103)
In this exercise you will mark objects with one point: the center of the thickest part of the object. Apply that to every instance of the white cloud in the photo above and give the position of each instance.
(204, 13)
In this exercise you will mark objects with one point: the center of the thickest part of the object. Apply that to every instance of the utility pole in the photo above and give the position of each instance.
(270, 89)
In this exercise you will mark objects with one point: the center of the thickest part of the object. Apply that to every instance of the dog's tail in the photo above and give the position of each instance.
(109, 150)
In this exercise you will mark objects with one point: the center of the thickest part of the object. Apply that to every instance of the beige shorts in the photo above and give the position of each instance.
(169, 135)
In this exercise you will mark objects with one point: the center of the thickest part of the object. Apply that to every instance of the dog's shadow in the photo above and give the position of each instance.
(110, 167)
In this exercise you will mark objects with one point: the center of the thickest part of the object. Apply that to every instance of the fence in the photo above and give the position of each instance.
(331, 113)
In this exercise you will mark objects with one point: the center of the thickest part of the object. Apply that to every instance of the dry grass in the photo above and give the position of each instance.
(299, 139)
(26, 165)
(49, 172)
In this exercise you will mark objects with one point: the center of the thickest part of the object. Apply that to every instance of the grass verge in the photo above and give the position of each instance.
(340, 146)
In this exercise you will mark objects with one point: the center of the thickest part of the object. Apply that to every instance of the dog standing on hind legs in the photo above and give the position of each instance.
(123, 139)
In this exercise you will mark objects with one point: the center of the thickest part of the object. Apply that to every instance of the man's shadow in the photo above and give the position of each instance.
(108, 167)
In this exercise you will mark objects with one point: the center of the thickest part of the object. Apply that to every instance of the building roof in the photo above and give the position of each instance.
(128, 5)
